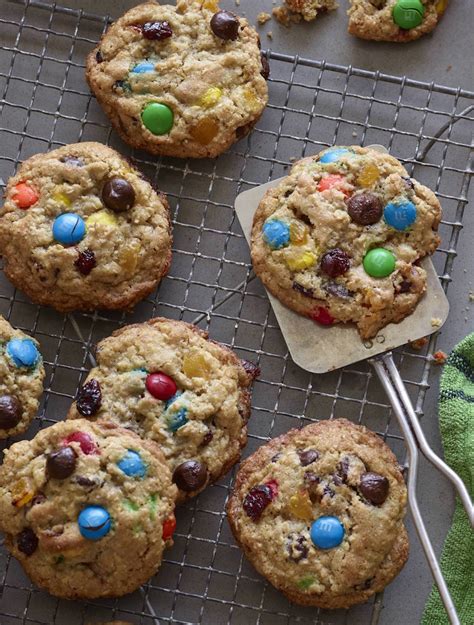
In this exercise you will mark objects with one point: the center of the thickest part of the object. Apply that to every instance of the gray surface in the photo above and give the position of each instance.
(201, 563)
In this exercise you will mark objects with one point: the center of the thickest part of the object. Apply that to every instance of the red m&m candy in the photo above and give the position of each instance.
(161, 386)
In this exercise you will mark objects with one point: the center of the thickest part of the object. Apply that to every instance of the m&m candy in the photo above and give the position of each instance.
(102, 217)
(332, 155)
(23, 352)
(379, 262)
(408, 14)
(69, 229)
(327, 532)
(400, 215)
(132, 464)
(276, 233)
(143, 67)
(177, 419)
(158, 118)
(94, 522)
(169, 527)
(161, 386)
(24, 195)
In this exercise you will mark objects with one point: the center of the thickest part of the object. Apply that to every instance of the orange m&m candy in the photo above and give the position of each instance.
(24, 195)
(332, 181)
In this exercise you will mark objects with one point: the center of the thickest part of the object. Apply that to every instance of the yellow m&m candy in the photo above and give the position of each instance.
(103, 217)
(211, 97)
(301, 261)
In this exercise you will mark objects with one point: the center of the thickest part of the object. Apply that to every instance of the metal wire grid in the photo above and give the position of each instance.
(45, 103)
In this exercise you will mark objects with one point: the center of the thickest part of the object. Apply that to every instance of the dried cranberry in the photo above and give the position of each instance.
(252, 370)
(335, 262)
(307, 456)
(89, 398)
(156, 31)
(256, 500)
(27, 541)
(86, 442)
(322, 316)
(85, 262)
(265, 66)
(365, 209)
(208, 436)
(273, 486)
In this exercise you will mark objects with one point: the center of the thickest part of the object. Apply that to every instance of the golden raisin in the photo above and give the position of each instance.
(300, 506)
(205, 131)
(22, 493)
(195, 366)
(129, 257)
(368, 176)
(298, 232)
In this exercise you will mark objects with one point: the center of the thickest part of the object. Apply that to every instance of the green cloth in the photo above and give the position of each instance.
(456, 421)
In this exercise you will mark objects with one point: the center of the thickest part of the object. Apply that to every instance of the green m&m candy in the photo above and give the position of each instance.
(379, 262)
(158, 118)
(408, 13)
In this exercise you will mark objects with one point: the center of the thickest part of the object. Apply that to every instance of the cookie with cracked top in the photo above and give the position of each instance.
(185, 81)
(319, 512)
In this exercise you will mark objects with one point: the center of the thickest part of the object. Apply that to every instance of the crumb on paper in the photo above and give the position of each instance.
(292, 159)
(449, 68)
(419, 343)
(263, 17)
(440, 357)
(471, 296)
(285, 17)
(270, 34)
(237, 3)
(354, 134)
(436, 322)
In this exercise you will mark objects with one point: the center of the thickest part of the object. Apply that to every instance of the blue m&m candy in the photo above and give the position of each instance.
(94, 522)
(69, 228)
(177, 420)
(132, 464)
(143, 67)
(23, 352)
(400, 215)
(327, 532)
(332, 155)
(276, 233)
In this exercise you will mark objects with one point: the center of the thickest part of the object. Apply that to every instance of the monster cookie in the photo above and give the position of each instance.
(186, 80)
(319, 513)
(87, 509)
(339, 239)
(21, 380)
(81, 229)
(166, 381)
(394, 20)
(310, 9)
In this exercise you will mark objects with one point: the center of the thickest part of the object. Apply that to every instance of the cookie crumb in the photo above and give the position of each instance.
(440, 357)
(237, 3)
(285, 17)
(263, 17)
(449, 68)
(270, 34)
(419, 343)
(436, 322)
(354, 134)
(471, 296)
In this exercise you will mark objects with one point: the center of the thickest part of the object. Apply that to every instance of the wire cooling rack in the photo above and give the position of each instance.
(45, 103)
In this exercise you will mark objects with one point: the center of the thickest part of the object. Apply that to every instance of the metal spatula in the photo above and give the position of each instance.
(320, 349)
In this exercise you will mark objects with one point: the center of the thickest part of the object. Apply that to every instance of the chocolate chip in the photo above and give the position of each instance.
(374, 487)
(276, 457)
(89, 398)
(72, 161)
(10, 412)
(122, 85)
(297, 547)
(98, 56)
(408, 182)
(311, 479)
(302, 289)
(118, 195)
(156, 31)
(27, 541)
(365, 585)
(337, 479)
(85, 482)
(404, 286)
(208, 436)
(256, 500)
(365, 208)
(338, 290)
(38, 499)
(343, 468)
(85, 262)
(225, 25)
(307, 456)
(190, 475)
(61, 464)
(328, 491)
(265, 66)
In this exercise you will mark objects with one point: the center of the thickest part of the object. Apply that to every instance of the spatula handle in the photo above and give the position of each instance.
(381, 365)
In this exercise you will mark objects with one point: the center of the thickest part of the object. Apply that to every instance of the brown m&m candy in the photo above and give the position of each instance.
(118, 195)
(365, 209)
(225, 25)
(190, 475)
(10, 412)
(61, 464)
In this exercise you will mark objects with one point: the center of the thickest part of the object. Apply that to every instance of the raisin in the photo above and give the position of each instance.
(85, 262)
(89, 398)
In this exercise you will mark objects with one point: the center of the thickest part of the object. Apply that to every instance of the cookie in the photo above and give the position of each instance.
(394, 20)
(319, 512)
(310, 9)
(339, 239)
(87, 509)
(21, 380)
(81, 229)
(186, 80)
(112, 623)
(168, 382)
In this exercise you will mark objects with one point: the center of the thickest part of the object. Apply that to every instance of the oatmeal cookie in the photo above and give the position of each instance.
(87, 509)
(21, 380)
(394, 20)
(81, 229)
(339, 239)
(319, 512)
(185, 81)
(168, 382)
(310, 9)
